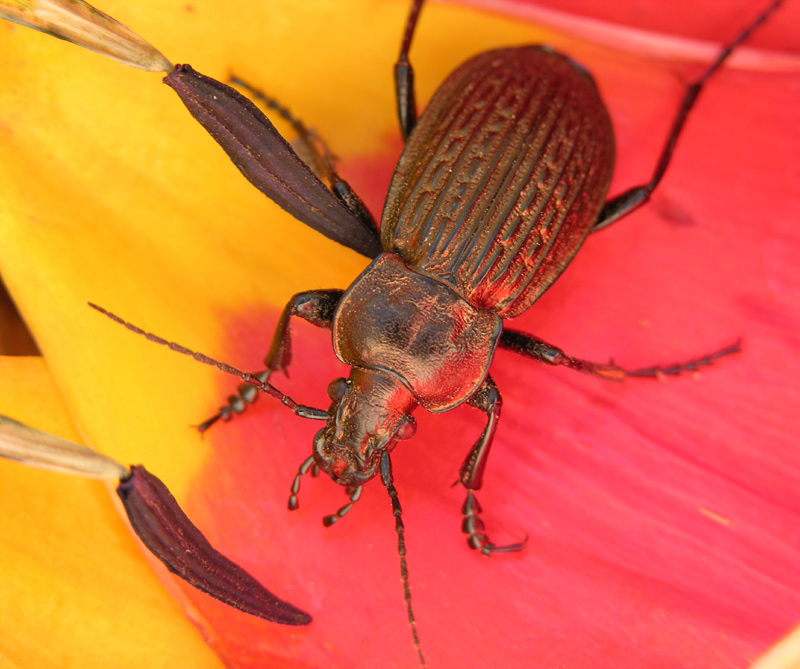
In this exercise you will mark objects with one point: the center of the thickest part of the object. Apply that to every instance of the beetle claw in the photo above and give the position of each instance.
(202, 427)
(473, 527)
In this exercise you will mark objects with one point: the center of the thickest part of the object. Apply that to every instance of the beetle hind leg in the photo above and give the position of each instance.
(488, 400)
(404, 75)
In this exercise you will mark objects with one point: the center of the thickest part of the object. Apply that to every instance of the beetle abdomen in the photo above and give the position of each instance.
(502, 178)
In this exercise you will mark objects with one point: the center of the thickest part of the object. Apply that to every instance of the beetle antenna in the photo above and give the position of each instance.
(299, 409)
(388, 481)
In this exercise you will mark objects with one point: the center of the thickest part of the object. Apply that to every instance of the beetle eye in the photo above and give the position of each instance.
(406, 429)
(337, 389)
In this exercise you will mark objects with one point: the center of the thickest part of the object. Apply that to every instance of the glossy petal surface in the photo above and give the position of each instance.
(662, 517)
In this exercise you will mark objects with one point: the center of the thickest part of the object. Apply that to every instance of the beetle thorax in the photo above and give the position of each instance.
(415, 329)
(371, 411)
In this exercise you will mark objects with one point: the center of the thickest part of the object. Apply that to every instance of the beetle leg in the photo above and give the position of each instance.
(316, 151)
(315, 306)
(532, 347)
(308, 464)
(632, 199)
(404, 75)
(487, 399)
(301, 410)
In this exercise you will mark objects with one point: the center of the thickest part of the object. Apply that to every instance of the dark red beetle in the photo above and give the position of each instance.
(502, 178)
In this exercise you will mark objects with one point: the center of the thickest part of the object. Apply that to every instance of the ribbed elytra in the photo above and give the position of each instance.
(503, 177)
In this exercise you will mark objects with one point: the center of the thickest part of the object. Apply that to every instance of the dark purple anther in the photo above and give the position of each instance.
(169, 534)
(267, 159)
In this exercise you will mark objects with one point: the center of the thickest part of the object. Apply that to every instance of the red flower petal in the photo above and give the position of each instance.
(662, 517)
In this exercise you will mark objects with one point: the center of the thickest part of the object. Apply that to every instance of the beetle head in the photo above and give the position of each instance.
(369, 415)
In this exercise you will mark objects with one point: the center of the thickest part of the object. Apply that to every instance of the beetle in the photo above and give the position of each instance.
(501, 180)
(472, 473)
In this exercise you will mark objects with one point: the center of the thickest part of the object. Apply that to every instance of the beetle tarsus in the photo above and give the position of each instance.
(473, 527)
(246, 394)
(206, 424)
(693, 365)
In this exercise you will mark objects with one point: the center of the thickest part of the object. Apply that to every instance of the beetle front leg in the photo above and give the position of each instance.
(315, 306)
(532, 347)
(487, 399)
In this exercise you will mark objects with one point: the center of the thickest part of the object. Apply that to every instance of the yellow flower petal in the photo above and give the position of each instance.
(74, 589)
(112, 194)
